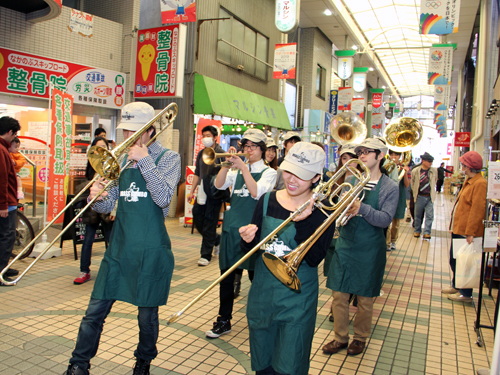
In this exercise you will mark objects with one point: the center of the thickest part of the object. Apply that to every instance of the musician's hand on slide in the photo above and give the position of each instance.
(247, 232)
(354, 208)
(97, 187)
(307, 211)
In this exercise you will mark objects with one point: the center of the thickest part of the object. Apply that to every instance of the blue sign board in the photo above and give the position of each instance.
(334, 97)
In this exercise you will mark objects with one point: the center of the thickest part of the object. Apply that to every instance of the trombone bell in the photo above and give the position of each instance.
(104, 162)
(282, 271)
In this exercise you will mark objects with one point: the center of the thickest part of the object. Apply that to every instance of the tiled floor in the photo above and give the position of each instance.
(415, 329)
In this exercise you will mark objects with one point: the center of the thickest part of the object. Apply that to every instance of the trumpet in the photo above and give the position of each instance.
(285, 269)
(209, 155)
(106, 164)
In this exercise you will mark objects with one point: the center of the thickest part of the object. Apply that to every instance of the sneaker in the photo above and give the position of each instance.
(459, 298)
(416, 234)
(83, 278)
(393, 245)
(221, 327)
(141, 367)
(216, 250)
(203, 262)
(388, 248)
(427, 236)
(449, 290)
(75, 370)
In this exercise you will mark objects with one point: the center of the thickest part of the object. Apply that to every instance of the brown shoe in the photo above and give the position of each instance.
(449, 290)
(333, 347)
(356, 347)
(427, 236)
(416, 234)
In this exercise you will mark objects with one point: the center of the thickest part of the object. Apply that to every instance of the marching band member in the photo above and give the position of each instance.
(281, 320)
(138, 263)
(359, 259)
(248, 184)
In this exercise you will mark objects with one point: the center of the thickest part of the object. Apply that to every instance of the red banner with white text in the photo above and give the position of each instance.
(60, 152)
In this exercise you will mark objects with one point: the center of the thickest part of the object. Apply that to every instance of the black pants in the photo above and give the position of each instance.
(453, 266)
(206, 223)
(226, 293)
(7, 237)
(268, 371)
(439, 185)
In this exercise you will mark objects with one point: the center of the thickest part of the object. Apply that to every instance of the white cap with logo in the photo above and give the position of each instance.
(372, 143)
(270, 142)
(254, 135)
(135, 115)
(304, 160)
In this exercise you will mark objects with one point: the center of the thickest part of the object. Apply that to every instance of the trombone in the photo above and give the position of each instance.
(106, 164)
(209, 155)
(285, 268)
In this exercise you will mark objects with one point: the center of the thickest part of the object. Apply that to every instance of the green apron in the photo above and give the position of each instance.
(138, 264)
(281, 321)
(329, 256)
(400, 211)
(240, 214)
(358, 263)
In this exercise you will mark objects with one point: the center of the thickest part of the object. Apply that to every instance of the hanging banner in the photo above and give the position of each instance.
(286, 18)
(326, 125)
(159, 68)
(359, 79)
(462, 139)
(284, 61)
(202, 122)
(358, 107)
(25, 74)
(176, 11)
(441, 97)
(439, 17)
(377, 120)
(345, 62)
(60, 152)
(377, 95)
(345, 99)
(188, 206)
(440, 64)
(389, 114)
(81, 23)
(440, 119)
(334, 96)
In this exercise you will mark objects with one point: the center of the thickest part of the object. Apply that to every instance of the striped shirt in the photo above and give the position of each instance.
(161, 180)
(371, 185)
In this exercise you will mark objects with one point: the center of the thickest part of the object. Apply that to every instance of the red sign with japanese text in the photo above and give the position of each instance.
(376, 100)
(60, 152)
(462, 139)
(159, 68)
(202, 122)
(26, 74)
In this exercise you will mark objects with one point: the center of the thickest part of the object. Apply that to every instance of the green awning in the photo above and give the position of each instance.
(219, 98)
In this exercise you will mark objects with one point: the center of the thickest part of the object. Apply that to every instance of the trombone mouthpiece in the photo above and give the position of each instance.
(174, 317)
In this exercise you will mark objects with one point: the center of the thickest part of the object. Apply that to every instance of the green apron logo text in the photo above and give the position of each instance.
(132, 194)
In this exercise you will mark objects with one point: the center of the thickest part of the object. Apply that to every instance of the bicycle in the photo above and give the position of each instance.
(24, 234)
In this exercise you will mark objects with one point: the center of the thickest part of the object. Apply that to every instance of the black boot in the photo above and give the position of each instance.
(237, 285)
(75, 370)
(141, 367)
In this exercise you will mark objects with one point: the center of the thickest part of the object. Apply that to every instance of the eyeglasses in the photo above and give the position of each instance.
(364, 152)
(250, 147)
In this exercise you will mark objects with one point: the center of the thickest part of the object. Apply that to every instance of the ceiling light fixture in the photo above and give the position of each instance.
(371, 69)
(328, 12)
(355, 47)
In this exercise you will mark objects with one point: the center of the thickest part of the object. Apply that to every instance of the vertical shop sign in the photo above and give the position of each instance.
(159, 70)
(359, 79)
(60, 152)
(377, 95)
(287, 15)
(334, 96)
(176, 11)
(345, 60)
(188, 206)
(358, 107)
(440, 64)
(462, 139)
(345, 99)
(284, 61)
(377, 119)
(439, 17)
(81, 23)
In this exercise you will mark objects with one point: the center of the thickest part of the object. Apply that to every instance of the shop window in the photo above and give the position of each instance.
(75, 4)
(242, 47)
(320, 82)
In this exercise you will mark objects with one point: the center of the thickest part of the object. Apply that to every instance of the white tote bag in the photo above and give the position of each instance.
(468, 268)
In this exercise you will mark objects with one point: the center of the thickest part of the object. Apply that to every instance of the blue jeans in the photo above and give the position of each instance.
(424, 205)
(453, 265)
(90, 331)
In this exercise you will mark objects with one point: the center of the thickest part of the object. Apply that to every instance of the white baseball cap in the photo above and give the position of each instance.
(254, 135)
(348, 148)
(304, 160)
(270, 142)
(290, 135)
(373, 143)
(135, 115)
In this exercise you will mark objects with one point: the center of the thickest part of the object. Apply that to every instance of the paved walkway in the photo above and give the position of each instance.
(415, 329)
